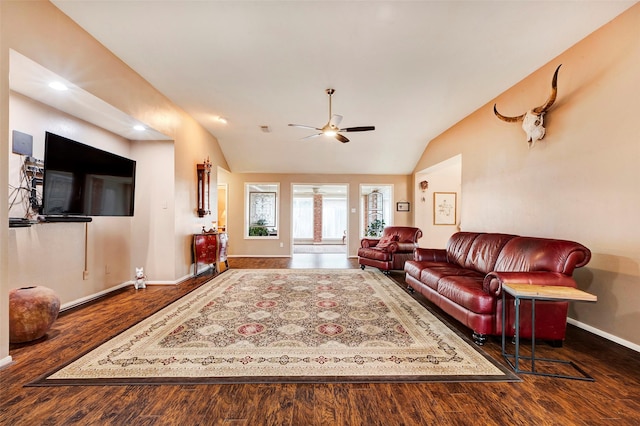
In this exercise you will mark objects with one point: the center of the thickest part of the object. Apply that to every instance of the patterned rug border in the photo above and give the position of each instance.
(507, 374)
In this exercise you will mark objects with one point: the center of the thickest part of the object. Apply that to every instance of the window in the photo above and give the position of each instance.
(303, 218)
(334, 217)
(261, 212)
(375, 207)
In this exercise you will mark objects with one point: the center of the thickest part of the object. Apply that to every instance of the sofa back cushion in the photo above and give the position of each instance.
(484, 251)
(525, 254)
(402, 234)
(458, 247)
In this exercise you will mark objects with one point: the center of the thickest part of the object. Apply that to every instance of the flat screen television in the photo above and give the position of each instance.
(80, 180)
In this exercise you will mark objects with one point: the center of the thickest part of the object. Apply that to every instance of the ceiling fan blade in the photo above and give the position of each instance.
(302, 126)
(332, 126)
(341, 138)
(335, 120)
(311, 136)
(358, 129)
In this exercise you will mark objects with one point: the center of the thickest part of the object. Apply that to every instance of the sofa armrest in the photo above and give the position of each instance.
(369, 242)
(406, 247)
(428, 254)
(493, 281)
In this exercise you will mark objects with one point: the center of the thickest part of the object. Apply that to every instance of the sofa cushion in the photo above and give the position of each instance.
(414, 267)
(467, 291)
(458, 247)
(528, 254)
(375, 253)
(433, 274)
(387, 240)
(484, 251)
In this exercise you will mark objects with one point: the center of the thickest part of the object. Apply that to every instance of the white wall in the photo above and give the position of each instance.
(152, 227)
(53, 254)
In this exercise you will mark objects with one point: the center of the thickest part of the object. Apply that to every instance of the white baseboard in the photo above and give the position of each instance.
(175, 282)
(91, 297)
(604, 334)
(5, 361)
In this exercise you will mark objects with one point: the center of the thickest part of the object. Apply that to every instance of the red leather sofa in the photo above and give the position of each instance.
(465, 280)
(391, 250)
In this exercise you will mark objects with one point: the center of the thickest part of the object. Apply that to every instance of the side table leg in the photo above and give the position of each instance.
(517, 333)
(533, 335)
(504, 324)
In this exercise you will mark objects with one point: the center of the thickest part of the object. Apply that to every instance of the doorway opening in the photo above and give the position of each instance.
(319, 219)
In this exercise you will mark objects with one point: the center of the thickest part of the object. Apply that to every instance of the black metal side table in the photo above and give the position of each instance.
(534, 293)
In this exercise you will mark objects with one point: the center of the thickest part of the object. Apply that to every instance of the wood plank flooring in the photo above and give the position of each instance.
(614, 399)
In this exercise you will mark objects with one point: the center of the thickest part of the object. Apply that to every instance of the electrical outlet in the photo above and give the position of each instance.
(281, 245)
(85, 275)
(107, 269)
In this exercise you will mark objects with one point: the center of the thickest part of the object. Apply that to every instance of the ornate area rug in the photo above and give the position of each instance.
(256, 326)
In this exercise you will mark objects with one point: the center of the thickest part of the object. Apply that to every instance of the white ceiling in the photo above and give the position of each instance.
(32, 79)
(412, 69)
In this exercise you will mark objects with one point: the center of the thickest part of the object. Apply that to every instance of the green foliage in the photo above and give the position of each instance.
(258, 229)
(375, 228)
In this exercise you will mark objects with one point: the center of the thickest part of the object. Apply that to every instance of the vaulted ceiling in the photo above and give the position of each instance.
(410, 68)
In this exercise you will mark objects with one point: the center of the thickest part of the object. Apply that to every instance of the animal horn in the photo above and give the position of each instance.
(505, 118)
(552, 98)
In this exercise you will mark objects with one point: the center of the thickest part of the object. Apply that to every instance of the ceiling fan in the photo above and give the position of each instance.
(331, 129)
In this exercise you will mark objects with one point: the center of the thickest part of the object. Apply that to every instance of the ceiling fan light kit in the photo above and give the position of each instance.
(332, 129)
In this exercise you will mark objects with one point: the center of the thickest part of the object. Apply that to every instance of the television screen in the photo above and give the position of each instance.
(81, 180)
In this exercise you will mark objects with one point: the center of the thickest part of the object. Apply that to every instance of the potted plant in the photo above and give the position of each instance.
(375, 228)
(258, 229)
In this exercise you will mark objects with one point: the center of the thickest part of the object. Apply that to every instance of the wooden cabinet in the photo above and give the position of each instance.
(210, 250)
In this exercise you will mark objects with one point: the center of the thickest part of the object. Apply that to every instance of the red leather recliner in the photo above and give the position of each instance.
(391, 250)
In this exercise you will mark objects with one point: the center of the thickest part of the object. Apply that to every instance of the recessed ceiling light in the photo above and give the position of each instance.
(220, 119)
(58, 86)
(139, 127)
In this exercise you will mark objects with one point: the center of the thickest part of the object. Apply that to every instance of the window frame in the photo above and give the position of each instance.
(265, 188)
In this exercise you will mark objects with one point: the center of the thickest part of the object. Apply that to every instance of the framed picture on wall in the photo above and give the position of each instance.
(403, 206)
(444, 208)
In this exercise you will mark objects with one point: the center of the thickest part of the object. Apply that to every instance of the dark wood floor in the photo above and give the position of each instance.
(614, 399)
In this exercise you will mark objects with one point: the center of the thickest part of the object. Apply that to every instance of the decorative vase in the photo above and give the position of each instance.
(32, 311)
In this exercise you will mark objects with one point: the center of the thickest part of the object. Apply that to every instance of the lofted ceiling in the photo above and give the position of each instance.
(33, 80)
(410, 68)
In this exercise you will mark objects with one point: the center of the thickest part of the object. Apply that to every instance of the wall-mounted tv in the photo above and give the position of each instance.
(80, 180)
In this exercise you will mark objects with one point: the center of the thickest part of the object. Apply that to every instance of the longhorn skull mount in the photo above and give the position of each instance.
(532, 120)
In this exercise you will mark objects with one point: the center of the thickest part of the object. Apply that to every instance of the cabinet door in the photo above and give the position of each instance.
(204, 250)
